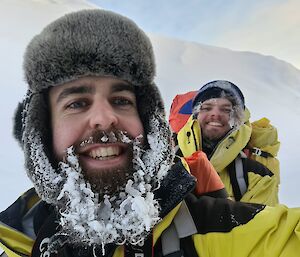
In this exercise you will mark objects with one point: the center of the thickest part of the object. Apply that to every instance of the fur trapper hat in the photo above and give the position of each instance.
(90, 42)
(84, 43)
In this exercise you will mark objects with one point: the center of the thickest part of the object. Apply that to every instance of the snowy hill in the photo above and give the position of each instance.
(271, 87)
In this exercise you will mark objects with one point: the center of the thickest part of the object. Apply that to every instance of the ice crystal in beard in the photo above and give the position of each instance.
(99, 136)
(127, 217)
(47, 181)
(236, 117)
(157, 160)
(232, 122)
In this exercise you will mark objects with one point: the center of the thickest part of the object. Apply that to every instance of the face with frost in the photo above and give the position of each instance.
(98, 116)
(214, 118)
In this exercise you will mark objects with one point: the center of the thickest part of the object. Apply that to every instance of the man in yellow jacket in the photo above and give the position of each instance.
(220, 127)
(97, 150)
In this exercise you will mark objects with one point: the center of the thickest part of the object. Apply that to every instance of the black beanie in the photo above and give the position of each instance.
(218, 89)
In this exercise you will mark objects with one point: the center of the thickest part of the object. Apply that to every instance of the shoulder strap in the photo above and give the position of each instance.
(170, 242)
(239, 170)
(184, 222)
(183, 226)
(238, 177)
(259, 152)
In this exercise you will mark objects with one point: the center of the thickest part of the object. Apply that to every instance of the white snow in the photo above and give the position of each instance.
(270, 86)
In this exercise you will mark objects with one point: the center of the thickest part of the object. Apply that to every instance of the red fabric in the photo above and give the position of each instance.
(247, 152)
(176, 119)
(208, 179)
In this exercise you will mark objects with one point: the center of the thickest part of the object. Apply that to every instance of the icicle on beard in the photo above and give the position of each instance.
(86, 220)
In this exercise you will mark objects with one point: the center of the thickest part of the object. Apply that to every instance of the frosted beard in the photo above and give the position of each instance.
(109, 180)
(126, 217)
(105, 209)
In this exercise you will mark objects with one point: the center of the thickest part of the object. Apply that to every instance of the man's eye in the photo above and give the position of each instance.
(205, 109)
(77, 105)
(226, 110)
(122, 101)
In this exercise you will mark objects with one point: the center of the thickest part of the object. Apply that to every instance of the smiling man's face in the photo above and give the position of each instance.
(93, 114)
(214, 118)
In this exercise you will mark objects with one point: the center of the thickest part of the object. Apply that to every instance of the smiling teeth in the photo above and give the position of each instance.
(215, 124)
(104, 152)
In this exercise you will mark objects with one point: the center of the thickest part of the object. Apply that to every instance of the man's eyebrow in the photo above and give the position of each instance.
(224, 104)
(121, 86)
(74, 90)
(207, 104)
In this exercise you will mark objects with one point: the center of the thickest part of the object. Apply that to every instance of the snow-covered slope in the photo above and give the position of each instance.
(271, 86)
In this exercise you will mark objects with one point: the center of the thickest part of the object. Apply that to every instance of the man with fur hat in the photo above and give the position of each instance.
(219, 126)
(96, 145)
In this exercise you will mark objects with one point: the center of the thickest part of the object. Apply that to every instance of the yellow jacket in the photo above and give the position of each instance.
(222, 228)
(262, 186)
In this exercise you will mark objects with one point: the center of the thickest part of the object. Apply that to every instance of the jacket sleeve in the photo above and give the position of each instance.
(227, 228)
(262, 190)
(262, 184)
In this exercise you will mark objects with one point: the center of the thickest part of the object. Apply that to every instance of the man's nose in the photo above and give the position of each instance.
(215, 112)
(102, 116)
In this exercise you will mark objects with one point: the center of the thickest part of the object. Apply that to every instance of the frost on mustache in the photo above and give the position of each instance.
(127, 217)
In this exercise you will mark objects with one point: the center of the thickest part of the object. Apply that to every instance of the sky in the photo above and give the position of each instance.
(269, 27)
(270, 86)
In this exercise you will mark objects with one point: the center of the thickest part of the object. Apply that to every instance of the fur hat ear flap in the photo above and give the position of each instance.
(18, 123)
